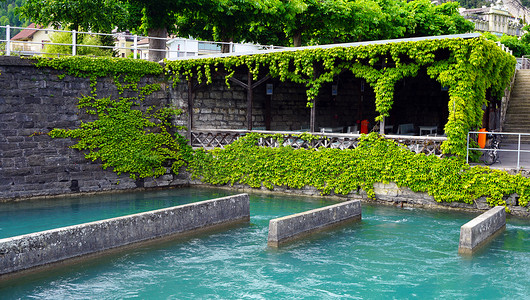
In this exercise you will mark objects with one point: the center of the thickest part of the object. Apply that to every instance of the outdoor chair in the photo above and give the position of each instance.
(406, 129)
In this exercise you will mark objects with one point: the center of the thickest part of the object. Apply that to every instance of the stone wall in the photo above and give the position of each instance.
(40, 248)
(218, 106)
(34, 101)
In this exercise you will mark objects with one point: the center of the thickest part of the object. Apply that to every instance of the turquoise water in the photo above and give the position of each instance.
(17, 218)
(391, 253)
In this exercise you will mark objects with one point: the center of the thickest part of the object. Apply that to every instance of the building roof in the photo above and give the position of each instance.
(357, 44)
(486, 11)
(143, 41)
(27, 33)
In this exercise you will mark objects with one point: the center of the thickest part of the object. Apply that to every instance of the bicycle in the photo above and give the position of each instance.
(491, 156)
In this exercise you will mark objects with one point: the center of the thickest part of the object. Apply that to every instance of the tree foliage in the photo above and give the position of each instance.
(309, 22)
(519, 46)
(82, 39)
(9, 16)
(95, 15)
(476, 3)
(280, 22)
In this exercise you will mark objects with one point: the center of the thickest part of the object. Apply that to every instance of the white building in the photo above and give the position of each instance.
(495, 19)
(180, 47)
(30, 40)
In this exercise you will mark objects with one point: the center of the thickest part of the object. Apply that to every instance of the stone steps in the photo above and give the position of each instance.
(518, 112)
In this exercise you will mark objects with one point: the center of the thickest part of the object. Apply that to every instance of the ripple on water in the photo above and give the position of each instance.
(391, 253)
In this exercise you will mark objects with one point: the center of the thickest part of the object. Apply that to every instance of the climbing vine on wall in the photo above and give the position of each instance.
(123, 136)
(125, 70)
(128, 140)
(468, 67)
(346, 171)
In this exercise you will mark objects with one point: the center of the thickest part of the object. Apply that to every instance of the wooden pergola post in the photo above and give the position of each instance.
(190, 108)
(250, 99)
(249, 86)
(313, 117)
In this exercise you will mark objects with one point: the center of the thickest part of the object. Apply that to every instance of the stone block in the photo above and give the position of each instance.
(482, 229)
(35, 249)
(40, 179)
(292, 227)
(216, 95)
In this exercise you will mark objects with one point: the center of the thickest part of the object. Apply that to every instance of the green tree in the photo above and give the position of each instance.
(519, 46)
(95, 15)
(475, 3)
(156, 18)
(9, 16)
(84, 39)
(284, 22)
(426, 19)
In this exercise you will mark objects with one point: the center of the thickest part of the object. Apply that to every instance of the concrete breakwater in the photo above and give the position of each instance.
(477, 232)
(391, 194)
(41, 248)
(291, 227)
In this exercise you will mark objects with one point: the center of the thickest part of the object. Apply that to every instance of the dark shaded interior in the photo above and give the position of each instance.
(420, 101)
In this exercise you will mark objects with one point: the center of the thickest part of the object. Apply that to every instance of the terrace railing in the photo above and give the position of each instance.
(516, 149)
(137, 45)
(525, 62)
(219, 138)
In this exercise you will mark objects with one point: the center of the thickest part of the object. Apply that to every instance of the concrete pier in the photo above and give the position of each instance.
(41, 248)
(295, 226)
(482, 229)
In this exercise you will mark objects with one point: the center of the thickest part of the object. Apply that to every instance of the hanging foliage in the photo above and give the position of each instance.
(341, 172)
(468, 67)
(123, 136)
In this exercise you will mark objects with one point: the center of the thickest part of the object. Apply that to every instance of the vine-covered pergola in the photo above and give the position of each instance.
(468, 66)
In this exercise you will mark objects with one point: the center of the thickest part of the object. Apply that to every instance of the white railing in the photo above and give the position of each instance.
(524, 62)
(518, 149)
(504, 48)
(126, 44)
(218, 138)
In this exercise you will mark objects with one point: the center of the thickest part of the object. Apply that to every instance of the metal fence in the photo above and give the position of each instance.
(523, 62)
(508, 149)
(126, 44)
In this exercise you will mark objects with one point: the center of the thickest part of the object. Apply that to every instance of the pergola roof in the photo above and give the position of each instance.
(328, 46)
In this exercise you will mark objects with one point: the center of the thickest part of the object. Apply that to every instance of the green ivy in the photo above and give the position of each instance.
(130, 70)
(472, 67)
(142, 143)
(129, 140)
(346, 171)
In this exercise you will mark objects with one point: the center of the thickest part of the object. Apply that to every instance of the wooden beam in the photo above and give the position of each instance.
(268, 112)
(261, 81)
(239, 82)
(190, 108)
(249, 101)
(313, 116)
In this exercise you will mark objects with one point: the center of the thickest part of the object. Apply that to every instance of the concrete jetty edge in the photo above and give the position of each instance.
(289, 228)
(481, 230)
(56, 245)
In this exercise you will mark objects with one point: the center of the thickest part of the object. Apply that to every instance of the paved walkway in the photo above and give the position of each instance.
(508, 159)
